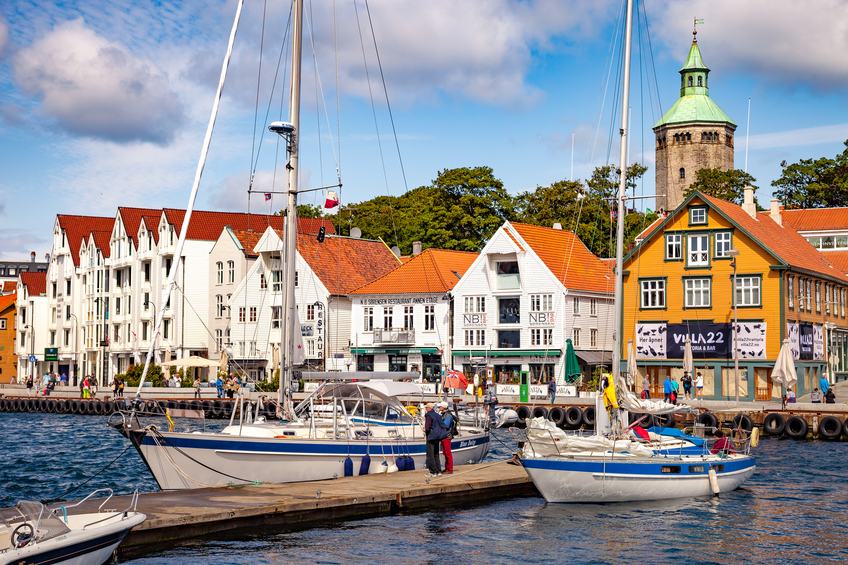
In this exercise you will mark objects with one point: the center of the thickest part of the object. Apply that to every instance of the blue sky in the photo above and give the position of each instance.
(106, 103)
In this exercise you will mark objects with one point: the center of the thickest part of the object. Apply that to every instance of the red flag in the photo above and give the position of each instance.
(267, 196)
(332, 199)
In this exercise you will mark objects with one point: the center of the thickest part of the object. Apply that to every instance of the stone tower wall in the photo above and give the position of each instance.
(699, 153)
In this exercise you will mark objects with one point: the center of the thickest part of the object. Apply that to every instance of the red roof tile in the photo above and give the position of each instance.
(248, 240)
(431, 271)
(207, 225)
(838, 259)
(79, 227)
(782, 241)
(132, 218)
(101, 242)
(813, 219)
(9, 285)
(344, 264)
(568, 258)
(6, 300)
(35, 283)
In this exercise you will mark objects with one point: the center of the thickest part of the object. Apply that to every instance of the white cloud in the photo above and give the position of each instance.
(97, 88)
(230, 194)
(18, 243)
(796, 138)
(4, 34)
(784, 41)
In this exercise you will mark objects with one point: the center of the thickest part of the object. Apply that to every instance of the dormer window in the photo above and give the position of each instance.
(508, 277)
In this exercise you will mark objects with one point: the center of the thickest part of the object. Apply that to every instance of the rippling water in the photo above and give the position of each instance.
(791, 511)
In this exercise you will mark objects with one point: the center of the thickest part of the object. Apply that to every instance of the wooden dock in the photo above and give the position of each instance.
(176, 515)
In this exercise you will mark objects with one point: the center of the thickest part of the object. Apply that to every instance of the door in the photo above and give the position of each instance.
(764, 384)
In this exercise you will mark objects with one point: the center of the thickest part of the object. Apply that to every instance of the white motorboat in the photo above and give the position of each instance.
(341, 429)
(38, 534)
(501, 416)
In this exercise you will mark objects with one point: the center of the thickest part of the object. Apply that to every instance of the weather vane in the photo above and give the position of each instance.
(695, 31)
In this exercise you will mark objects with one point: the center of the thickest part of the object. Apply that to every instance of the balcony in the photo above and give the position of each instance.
(394, 336)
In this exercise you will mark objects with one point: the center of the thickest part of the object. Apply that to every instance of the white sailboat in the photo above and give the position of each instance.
(341, 429)
(619, 466)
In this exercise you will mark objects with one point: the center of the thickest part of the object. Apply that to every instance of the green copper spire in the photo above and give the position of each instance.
(694, 104)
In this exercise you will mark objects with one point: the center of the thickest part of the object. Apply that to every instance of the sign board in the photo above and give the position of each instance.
(104, 343)
(32, 359)
(51, 353)
(709, 340)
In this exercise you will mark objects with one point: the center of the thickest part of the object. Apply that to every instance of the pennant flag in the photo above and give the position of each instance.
(332, 199)
(267, 196)
(649, 211)
(699, 21)
(613, 214)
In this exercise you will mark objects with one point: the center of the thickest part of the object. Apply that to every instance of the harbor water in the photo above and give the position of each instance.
(791, 511)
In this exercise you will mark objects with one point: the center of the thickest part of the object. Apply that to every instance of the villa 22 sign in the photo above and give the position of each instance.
(709, 340)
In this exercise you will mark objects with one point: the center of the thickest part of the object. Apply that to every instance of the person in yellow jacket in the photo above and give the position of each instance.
(611, 403)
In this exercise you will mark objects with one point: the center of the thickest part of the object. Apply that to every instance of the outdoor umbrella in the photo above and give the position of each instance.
(784, 367)
(632, 370)
(572, 367)
(193, 361)
(455, 379)
(688, 365)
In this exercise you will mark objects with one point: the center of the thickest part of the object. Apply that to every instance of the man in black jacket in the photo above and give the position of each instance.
(434, 427)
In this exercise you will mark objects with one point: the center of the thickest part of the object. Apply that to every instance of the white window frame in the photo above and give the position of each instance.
(673, 246)
(593, 338)
(575, 337)
(701, 256)
(722, 243)
(593, 306)
(790, 290)
(653, 291)
(368, 319)
(429, 317)
(231, 271)
(695, 217)
(576, 305)
(219, 266)
(749, 291)
(699, 289)
(408, 317)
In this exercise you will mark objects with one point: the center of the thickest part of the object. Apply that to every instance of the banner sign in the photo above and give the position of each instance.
(709, 340)
(806, 341)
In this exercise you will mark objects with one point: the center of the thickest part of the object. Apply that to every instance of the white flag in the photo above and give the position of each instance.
(298, 354)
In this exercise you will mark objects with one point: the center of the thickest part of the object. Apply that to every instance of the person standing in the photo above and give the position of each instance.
(824, 384)
(93, 389)
(667, 388)
(552, 389)
(121, 388)
(451, 427)
(29, 384)
(699, 385)
(197, 387)
(219, 384)
(687, 386)
(434, 428)
(115, 387)
(82, 386)
(646, 387)
(86, 389)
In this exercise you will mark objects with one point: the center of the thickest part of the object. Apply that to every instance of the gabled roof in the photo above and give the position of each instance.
(9, 286)
(247, 240)
(35, 283)
(816, 219)
(565, 255)
(344, 264)
(79, 227)
(207, 226)
(6, 300)
(132, 218)
(101, 242)
(838, 259)
(431, 271)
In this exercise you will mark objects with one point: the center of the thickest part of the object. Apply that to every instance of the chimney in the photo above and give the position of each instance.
(774, 211)
(416, 247)
(32, 257)
(557, 226)
(748, 204)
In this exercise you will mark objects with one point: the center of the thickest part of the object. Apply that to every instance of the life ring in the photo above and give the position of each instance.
(744, 422)
(556, 415)
(774, 424)
(573, 417)
(523, 412)
(665, 420)
(830, 427)
(540, 412)
(796, 427)
(589, 416)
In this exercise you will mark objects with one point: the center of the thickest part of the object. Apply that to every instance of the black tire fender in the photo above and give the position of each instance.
(556, 415)
(589, 416)
(830, 427)
(796, 427)
(774, 424)
(540, 412)
(744, 422)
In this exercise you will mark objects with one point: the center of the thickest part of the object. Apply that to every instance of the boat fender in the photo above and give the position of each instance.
(743, 421)
(365, 465)
(401, 463)
(392, 468)
(348, 467)
(709, 420)
(796, 427)
(774, 424)
(540, 412)
(523, 412)
(845, 427)
(557, 416)
(410, 463)
(573, 416)
(755, 436)
(830, 427)
(714, 482)
(589, 416)
(383, 467)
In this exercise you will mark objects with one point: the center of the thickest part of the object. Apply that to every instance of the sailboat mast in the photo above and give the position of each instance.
(291, 209)
(622, 191)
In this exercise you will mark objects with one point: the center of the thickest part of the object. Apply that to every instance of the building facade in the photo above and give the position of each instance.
(31, 321)
(531, 289)
(694, 134)
(8, 336)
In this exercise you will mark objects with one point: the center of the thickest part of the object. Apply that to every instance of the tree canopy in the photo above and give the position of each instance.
(814, 183)
(726, 185)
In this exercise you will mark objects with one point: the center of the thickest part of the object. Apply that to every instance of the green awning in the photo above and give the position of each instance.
(509, 353)
(404, 351)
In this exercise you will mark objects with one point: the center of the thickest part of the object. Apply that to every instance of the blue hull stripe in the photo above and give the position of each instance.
(635, 468)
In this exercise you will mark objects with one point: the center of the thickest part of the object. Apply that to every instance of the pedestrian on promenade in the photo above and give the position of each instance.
(82, 386)
(93, 388)
(667, 388)
(197, 387)
(687, 386)
(552, 389)
(790, 396)
(434, 428)
(86, 389)
(646, 387)
(121, 388)
(675, 388)
(699, 385)
(824, 384)
(450, 425)
(829, 397)
(815, 396)
(115, 387)
(29, 384)
(219, 384)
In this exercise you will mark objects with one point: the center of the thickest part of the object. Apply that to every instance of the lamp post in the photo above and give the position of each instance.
(104, 343)
(76, 348)
(735, 253)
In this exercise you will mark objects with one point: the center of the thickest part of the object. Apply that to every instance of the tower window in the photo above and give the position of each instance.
(688, 137)
(699, 81)
(682, 173)
(676, 137)
(690, 81)
(703, 136)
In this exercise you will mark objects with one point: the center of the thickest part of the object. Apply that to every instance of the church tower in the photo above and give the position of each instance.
(694, 134)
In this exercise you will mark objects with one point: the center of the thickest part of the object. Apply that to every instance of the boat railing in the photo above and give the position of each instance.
(122, 513)
(520, 436)
(100, 508)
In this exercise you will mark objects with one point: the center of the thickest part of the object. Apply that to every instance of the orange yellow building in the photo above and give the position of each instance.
(8, 360)
(679, 283)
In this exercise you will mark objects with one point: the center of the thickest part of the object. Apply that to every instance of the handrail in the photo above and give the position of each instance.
(123, 513)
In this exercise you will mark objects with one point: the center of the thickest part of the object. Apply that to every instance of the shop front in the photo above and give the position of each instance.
(425, 361)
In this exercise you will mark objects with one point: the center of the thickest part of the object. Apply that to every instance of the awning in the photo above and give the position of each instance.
(595, 357)
(510, 353)
(404, 351)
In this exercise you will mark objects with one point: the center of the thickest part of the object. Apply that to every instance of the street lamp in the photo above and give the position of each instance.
(76, 348)
(735, 253)
(31, 348)
(104, 343)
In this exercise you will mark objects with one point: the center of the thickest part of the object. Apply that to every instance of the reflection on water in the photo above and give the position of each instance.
(790, 511)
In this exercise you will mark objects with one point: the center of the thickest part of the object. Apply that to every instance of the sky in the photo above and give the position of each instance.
(105, 104)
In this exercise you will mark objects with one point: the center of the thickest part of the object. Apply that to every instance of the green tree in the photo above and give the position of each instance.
(725, 185)
(814, 183)
(550, 204)
(307, 211)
